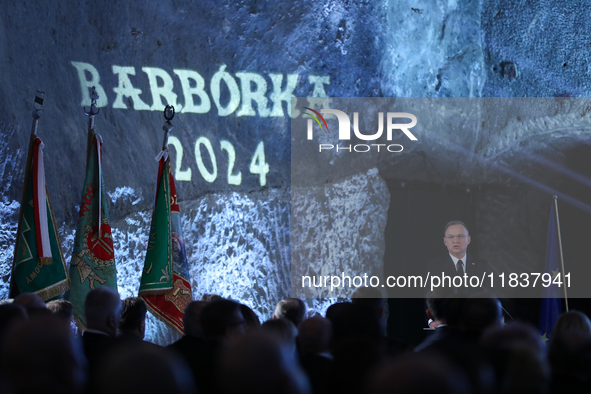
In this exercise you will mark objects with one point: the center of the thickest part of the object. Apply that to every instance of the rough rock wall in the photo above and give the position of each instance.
(338, 228)
(499, 48)
(434, 49)
(230, 69)
(536, 49)
(263, 53)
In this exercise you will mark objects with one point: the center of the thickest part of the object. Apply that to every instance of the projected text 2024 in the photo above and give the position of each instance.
(207, 162)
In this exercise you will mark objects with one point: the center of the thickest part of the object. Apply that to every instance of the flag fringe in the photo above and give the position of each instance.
(158, 316)
(54, 290)
(156, 292)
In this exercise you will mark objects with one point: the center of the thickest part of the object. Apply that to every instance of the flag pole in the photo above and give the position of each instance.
(555, 198)
(93, 257)
(93, 109)
(38, 107)
(91, 112)
(165, 285)
(167, 127)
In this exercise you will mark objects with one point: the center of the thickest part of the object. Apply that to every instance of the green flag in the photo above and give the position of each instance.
(39, 265)
(165, 285)
(93, 257)
(157, 273)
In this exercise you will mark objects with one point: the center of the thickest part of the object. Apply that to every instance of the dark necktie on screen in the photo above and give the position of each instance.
(460, 268)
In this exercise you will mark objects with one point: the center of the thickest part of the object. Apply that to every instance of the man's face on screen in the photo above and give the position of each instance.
(457, 240)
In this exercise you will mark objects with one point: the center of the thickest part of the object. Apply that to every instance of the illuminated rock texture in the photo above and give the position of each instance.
(231, 69)
(338, 229)
(238, 247)
(434, 49)
(11, 172)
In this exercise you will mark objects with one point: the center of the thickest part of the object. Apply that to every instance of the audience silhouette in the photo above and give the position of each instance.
(226, 350)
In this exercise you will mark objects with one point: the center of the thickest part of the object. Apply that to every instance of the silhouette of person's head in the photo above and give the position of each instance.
(292, 309)
(29, 301)
(221, 319)
(191, 319)
(572, 321)
(133, 317)
(102, 309)
(315, 334)
(258, 364)
(42, 356)
(143, 369)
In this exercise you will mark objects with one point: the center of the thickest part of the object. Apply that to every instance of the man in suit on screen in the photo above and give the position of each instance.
(458, 262)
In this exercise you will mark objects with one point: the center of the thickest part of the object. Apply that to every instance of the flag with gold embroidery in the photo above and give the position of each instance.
(93, 258)
(38, 266)
(165, 283)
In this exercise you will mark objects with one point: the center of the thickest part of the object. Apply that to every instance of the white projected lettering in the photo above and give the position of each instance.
(319, 82)
(257, 95)
(189, 91)
(230, 94)
(179, 175)
(208, 176)
(154, 74)
(319, 98)
(258, 165)
(232, 179)
(126, 89)
(232, 86)
(279, 95)
(87, 84)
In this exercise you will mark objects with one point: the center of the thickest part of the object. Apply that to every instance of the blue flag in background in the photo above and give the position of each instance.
(551, 305)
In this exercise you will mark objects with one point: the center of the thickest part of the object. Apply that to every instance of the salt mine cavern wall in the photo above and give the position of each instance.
(231, 69)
